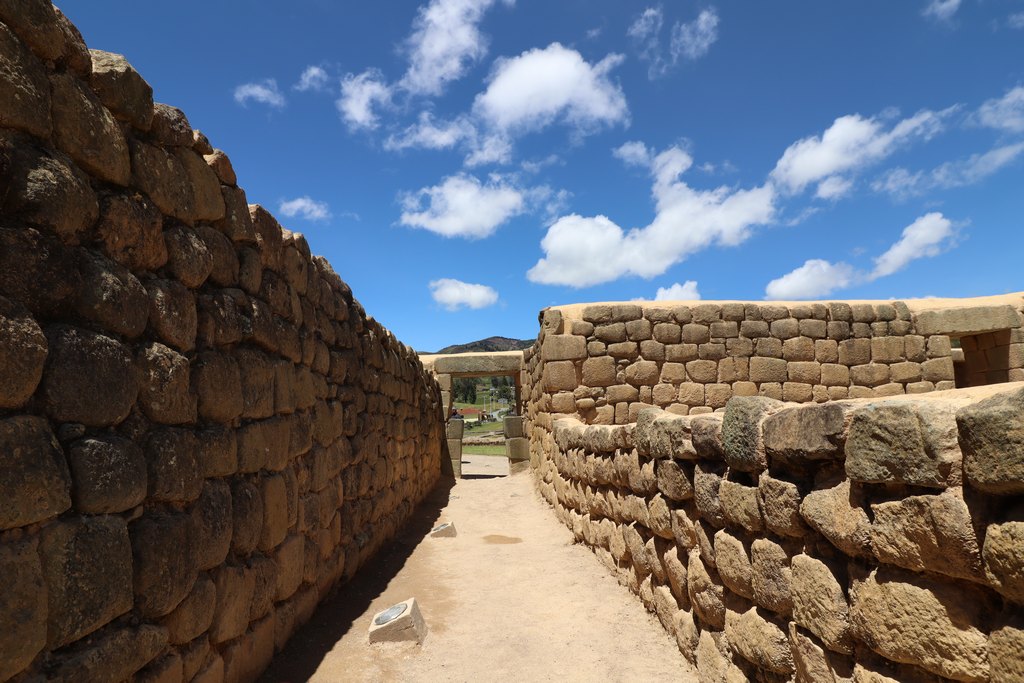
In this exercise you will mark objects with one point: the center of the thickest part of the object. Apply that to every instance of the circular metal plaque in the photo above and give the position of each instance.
(390, 614)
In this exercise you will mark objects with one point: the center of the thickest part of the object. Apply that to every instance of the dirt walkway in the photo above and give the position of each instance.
(511, 598)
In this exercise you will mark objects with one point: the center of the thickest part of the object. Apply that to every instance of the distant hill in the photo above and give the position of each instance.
(490, 344)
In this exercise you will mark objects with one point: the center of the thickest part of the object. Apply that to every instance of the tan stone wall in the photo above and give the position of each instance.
(201, 431)
(865, 540)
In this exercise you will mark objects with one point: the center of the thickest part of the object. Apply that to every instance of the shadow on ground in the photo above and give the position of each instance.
(336, 615)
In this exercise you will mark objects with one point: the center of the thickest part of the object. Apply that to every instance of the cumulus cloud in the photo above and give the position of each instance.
(633, 153)
(305, 207)
(462, 206)
(834, 187)
(1015, 20)
(687, 40)
(926, 237)
(444, 43)
(678, 292)
(851, 143)
(815, 278)
(360, 94)
(265, 92)
(429, 133)
(582, 251)
(902, 183)
(313, 78)
(542, 86)
(942, 10)
(455, 294)
(1004, 113)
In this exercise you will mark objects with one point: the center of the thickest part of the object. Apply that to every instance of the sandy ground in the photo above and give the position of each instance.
(511, 598)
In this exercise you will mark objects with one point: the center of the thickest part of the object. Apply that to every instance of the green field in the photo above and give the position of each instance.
(483, 450)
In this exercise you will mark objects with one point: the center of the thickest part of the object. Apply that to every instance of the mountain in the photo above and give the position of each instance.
(490, 344)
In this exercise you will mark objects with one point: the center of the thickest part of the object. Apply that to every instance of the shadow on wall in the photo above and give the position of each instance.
(337, 615)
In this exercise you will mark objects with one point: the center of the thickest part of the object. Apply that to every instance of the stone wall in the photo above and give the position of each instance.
(201, 431)
(605, 362)
(865, 540)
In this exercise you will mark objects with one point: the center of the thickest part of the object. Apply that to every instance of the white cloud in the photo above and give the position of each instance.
(359, 95)
(539, 164)
(1015, 20)
(925, 237)
(582, 251)
(943, 10)
(542, 86)
(693, 40)
(305, 207)
(313, 78)
(633, 153)
(265, 92)
(834, 187)
(444, 43)
(462, 206)
(678, 292)
(815, 278)
(428, 133)
(850, 143)
(688, 40)
(901, 183)
(1004, 113)
(455, 294)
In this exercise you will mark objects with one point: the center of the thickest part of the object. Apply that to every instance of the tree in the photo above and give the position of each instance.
(464, 389)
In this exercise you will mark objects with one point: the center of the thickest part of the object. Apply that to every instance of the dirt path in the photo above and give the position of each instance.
(511, 598)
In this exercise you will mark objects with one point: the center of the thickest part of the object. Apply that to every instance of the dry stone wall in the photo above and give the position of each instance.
(201, 431)
(857, 540)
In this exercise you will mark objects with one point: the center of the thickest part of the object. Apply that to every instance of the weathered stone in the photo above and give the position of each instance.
(111, 296)
(264, 573)
(815, 664)
(805, 433)
(109, 474)
(23, 617)
(23, 88)
(164, 387)
(838, 514)
(235, 588)
(225, 259)
(289, 559)
(991, 434)
(275, 512)
(131, 230)
(121, 89)
(219, 162)
(756, 638)
(819, 604)
(170, 126)
(114, 655)
(218, 386)
(212, 520)
(45, 188)
(771, 577)
(86, 131)
(164, 561)
(732, 559)
(23, 351)
(931, 533)
(174, 473)
(1006, 652)
(673, 481)
(172, 313)
(564, 347)
(706, 592)
(247, 513)
(966, 320)
(161, 176)
(912, 442)
(741, 432)
(740, 505)
(909, 618)
(765, 369)
(780, 506)
(706, 486)
(35, 483)
(87, 565)
(714, 659)
(1004, 558)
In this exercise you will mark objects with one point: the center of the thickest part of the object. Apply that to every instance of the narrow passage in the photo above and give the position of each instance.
(511, 598)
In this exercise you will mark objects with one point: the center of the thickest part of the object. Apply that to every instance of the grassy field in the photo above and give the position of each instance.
(484, 450)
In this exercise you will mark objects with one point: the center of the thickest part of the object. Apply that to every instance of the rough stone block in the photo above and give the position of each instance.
(804, 434)
(35, 484)
(768, 370)
(819, 603)
(275, 512)
(759, 640)
(1004, 558)
(195, 613)
(401, 622)
(706, 487)
(706, 592)
(559, 347)
(235, 588)
(732, 558)
(780, 506)
(740, 505)
(24, 613)
(23, 350)
(560, 376)
(212, 524)
(912, 442)
(172, 313)
(109, 474)
(702, 371)
(991, 434)
(741, 432)
(121, 89)
(174, 473)
(837, 512)
(1006, 652)
(926, 623)
(164, 386)
(164, 564)
(771, 576)
(113, 655)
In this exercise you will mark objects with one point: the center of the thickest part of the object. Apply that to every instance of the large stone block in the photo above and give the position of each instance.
(164, 561)
(706, 487)
(909, 442)
(780, 506)
(109, 474)
(732, 558)
(275, 512)
(741, 432)
(933, 533)
(212, 520)
(1006, 652)
(194, 615)
(966, 320)
(85, 130)
(706, 592)
(560, 376)
(81, 366)
(991, 434)
(35, 484)
(113, 655)
(174, 472)
(912, 619)
(235, 587)
(247, 514)
(740, 505)
(172, 313)
(757, 638)
(1004, 558)
(289, 558)
(558, 347)
(131, 230)
(23, 617)
(24, 87)
(161, 176)
(218, 385)
(87, 566)
(121, 89)
(837, 513)
(819, 603)
(806, 433)
(164, 386)
(23, 351)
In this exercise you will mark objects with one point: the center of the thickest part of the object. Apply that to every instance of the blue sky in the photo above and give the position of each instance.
(466, 163)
